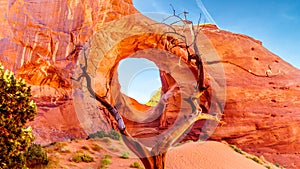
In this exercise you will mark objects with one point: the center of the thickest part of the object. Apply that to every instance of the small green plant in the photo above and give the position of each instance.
(136, 165)
(256, 159)
(113, 134)
(105, 162)
(235, 148)
(35, 155)
(125, 155)
(100, 134)
(82, 158)
(279, 166)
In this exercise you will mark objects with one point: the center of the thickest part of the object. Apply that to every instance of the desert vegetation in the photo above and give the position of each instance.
(260, 160)
(17, 150)
(16, 110)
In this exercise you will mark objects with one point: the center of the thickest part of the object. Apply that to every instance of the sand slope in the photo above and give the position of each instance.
(208, 155)
(193, 155)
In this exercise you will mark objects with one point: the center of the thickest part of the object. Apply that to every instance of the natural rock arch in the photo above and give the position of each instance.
(143, 40)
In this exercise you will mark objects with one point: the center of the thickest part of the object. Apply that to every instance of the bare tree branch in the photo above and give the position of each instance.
(268, 72)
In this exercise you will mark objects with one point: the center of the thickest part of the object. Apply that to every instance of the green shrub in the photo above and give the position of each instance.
(256, 159)
(113, 134)
(136, 165)
(235, 148)
(100, 134)
(279, 166)
(125, 155)
(16, 109)
(35, 155)
(82, 158)
(106, 161)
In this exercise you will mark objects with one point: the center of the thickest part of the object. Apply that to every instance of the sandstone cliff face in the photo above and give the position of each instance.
(262, 114)
(40, 41)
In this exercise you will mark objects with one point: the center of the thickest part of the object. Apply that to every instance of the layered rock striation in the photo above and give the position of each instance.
(261, 115)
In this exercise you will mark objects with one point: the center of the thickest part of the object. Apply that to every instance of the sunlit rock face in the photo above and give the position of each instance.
(262, 115)
(41, 41)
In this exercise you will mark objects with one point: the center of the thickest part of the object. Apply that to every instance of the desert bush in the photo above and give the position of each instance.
(113, 134)
(236, 149)
(100, 134)
(125, 155)
(105, 162)
(35, 155)
(136, 165)
(82, 158)
(16, 109)
(256, 159)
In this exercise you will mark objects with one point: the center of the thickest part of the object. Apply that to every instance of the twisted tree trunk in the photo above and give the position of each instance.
(151, 157)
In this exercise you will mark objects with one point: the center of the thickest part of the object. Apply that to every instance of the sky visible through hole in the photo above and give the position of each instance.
(139, 78)
(275, 23)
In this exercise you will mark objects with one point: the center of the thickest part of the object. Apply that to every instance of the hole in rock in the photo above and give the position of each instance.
(139, 79)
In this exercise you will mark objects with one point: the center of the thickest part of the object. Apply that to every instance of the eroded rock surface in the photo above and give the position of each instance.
(40, 41)
(262, 114)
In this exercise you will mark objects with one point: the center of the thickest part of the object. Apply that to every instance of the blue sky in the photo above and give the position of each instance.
(139, 78)
(274, 22)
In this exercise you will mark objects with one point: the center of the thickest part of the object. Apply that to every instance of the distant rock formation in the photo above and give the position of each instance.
(262, 114)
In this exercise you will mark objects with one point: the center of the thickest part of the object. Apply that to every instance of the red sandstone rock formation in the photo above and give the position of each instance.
(262, 114)
(40, 41)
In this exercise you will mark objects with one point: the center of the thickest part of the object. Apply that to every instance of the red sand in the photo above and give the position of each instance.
(208, 155)
(194, 155)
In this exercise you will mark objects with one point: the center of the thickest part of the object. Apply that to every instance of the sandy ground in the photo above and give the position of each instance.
(208, 155)
(193, 155)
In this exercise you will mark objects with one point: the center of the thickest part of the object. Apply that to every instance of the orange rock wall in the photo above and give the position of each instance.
(41, 40)
(262, 114)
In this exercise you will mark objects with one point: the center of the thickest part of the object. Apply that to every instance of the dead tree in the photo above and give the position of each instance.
(268, 72)
(155, 157)
(193, 52)
(151, 157)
